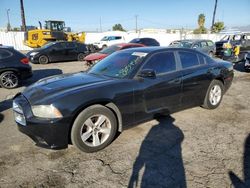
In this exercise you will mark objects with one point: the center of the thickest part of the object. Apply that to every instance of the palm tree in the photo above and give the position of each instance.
(23, 28)
(215, 7)
(201, 20)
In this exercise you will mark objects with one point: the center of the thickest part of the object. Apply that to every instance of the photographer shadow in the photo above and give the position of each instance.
(160, 156)
(236, 181)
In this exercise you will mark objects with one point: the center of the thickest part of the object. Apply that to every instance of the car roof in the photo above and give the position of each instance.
(6, 47)
(192, 40)
(154, 49)
(127, 44)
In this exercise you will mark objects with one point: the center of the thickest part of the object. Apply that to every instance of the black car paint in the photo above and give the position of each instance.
(133, 99)
(13, 63)
(146, 41)
(59, 51)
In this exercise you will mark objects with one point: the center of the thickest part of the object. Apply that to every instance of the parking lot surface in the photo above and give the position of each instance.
(191, 148)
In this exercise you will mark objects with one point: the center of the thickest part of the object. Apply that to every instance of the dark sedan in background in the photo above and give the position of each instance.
(95, 57)
(58, 51)
(146, 41)
(14, 67)
(125, 88)
(205, 46)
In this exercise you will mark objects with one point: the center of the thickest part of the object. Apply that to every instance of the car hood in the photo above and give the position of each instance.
(54, 86)
(39, 50)
(95, 56)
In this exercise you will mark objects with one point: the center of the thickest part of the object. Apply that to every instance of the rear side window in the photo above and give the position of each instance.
(203, 44)
(161, 63)
(70, 45)
(117, 38)
(5, 54)
(210, 43)
(188, 59)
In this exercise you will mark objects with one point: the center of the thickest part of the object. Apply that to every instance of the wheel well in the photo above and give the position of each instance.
(111, 106)
(220, 79)
(13, 70)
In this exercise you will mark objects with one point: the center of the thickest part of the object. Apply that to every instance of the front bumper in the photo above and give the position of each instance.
(52, 134)
(34, 59)
(247, 64)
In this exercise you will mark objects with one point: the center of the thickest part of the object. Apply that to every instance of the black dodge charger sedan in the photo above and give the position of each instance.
(126, 88)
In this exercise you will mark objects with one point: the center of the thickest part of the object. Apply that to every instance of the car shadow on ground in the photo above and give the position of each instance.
(39, 74)
(1, 117)
(5, 105)
(160, 156)
(239, 66)
(236, 181)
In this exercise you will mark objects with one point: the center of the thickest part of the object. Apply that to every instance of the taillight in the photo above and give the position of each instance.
(25, 60)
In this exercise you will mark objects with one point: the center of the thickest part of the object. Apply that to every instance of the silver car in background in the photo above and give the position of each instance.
(205, 46)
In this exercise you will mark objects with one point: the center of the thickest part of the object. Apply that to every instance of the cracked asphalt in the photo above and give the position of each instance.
(192, 148)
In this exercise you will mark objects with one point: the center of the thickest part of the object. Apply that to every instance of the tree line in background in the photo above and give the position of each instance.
(216, 28)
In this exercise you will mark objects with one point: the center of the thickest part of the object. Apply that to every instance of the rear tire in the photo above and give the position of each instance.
(94, 129)
(43, 59)
(214, 95)
(9, 80)
(80, 57)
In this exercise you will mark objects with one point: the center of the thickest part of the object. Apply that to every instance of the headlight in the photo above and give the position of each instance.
(46, 111)
(33, 53)
(18, 113)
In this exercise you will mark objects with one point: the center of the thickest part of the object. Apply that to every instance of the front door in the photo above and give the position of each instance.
(160, 94)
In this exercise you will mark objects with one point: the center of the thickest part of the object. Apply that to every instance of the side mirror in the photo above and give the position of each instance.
(147, 73)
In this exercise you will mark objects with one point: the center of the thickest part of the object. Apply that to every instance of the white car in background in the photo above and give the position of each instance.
(109, 40)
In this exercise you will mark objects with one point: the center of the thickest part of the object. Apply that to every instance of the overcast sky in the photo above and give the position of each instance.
(87, 15)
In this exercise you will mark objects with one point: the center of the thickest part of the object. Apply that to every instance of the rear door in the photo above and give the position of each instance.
(196, 78)
(57, 52)
(71, 51)
(5, 58)
(163, 92)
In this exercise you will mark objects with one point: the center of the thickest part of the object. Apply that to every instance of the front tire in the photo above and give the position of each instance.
(9, 80)
(214, 95)
(80, 57)
(43, 59)
(94, 129)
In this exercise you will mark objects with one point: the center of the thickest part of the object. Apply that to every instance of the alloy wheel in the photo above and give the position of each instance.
(95, 130)
(9, 80)
(215, 95)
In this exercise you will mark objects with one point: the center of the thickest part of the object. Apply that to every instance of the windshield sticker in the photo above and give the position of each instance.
(140, 54)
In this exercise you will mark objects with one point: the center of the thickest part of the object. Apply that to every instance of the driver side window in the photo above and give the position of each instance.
(161, 63)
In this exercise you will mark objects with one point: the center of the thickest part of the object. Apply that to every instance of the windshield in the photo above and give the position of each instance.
(105, 38)
(182, 44)
(226, 37)
(118, 65)
(110, 49)
(135, 41)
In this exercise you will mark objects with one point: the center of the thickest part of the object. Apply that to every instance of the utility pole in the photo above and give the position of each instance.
(23, 27)
(215, 7)
(8, 17)
(136, 29)
(101, 24)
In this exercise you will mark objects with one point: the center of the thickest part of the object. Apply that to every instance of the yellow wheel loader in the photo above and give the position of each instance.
(53, 31)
